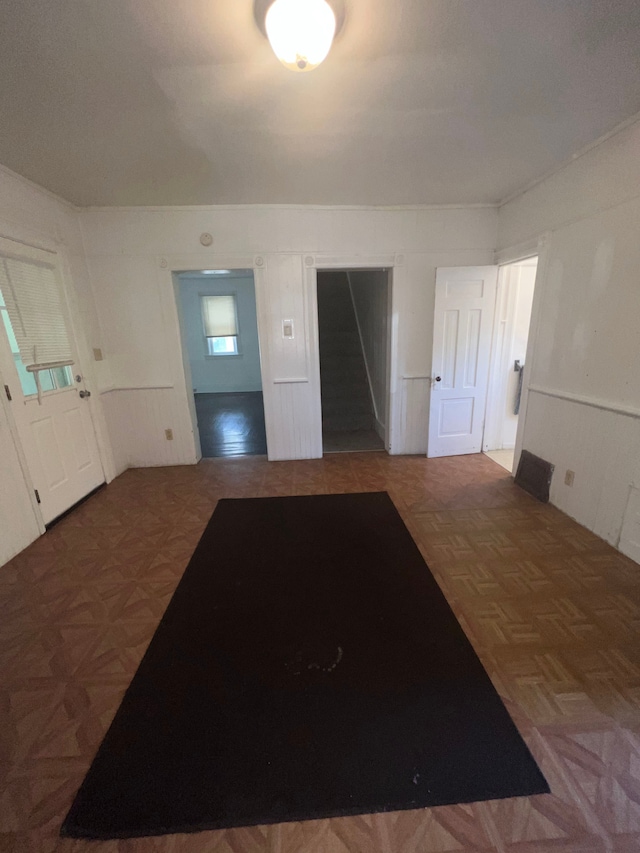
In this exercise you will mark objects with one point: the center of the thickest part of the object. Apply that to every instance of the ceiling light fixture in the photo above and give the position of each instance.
(300, 32)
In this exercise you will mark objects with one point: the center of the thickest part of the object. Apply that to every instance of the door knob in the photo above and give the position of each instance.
(438, 378)
(84, 394)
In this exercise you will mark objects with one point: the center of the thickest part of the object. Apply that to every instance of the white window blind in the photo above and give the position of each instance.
(219, 315)
(33, 301)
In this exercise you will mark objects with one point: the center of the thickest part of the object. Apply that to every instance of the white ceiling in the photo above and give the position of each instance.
(118, 102)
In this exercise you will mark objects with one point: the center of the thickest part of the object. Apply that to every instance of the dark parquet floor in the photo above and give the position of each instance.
(552, 611)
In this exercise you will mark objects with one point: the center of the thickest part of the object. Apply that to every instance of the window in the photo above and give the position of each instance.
(50, 380)
(223, 346)
(33, 319)
(219, 317)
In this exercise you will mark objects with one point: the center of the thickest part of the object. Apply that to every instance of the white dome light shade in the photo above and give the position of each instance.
(300, 32)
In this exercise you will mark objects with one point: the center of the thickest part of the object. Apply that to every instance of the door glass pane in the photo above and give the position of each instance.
(46, 380)
(27, 380)
(63, 377)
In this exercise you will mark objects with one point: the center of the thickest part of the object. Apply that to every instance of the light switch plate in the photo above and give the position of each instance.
(287, 328)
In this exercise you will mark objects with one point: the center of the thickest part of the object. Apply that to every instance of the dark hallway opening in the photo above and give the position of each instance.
(353, 327)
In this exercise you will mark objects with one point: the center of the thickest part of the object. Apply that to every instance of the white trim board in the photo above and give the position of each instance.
(136, 388)
(584, 400)
(168, 208)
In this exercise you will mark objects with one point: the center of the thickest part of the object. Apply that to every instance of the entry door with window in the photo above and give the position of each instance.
(463, 322)
(38, 365)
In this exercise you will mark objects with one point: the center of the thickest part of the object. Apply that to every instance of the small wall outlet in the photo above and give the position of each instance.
(168, 434)
(568, 477)
(97, 354)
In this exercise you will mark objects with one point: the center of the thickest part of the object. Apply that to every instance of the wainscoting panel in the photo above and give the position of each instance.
(414, 420)
(137, 419)
(601, 447)
(293, 430)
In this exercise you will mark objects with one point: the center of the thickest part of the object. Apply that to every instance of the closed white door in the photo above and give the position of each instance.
(55, 428)
(60, 447)
(463, 320)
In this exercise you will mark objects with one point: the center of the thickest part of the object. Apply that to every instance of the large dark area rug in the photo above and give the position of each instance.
(307, 666)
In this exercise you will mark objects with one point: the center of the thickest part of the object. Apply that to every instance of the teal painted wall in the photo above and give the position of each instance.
(218, 373)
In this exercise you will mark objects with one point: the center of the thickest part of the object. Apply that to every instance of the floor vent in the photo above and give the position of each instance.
(534, 476)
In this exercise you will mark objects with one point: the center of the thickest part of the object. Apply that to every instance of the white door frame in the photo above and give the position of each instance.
(538, 246)
(168, 286)
(52, 253)
(395, 266)
(492, 438)
(186, 364)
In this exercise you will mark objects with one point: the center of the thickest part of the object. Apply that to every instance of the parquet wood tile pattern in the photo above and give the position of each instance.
(552, 611)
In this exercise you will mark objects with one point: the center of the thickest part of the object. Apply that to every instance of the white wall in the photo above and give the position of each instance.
(35, 217)
(215, 374)
(369, 291)
(583, 406)
(131, 253)
(583, 403)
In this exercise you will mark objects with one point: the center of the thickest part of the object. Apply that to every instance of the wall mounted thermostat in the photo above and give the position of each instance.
(287, 328)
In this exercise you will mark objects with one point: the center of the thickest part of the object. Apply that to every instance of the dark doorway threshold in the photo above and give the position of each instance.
(351, 441)
(231, 424)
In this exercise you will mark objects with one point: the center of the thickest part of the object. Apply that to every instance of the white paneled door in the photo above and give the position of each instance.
(53, 422)
(60, 448)
(463, 322)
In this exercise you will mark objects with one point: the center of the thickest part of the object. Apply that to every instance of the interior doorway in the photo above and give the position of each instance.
(353, 334)
(481, 326)
(221, 354)
(514, 301)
